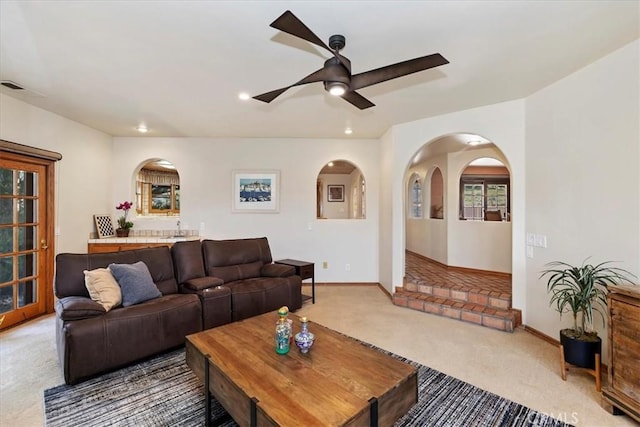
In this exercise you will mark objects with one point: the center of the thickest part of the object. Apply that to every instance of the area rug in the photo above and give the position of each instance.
(164, 392)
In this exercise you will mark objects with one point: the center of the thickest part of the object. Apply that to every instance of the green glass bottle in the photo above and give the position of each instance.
(283, 332)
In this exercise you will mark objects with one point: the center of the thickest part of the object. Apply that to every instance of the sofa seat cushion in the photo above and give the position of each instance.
(258, 295)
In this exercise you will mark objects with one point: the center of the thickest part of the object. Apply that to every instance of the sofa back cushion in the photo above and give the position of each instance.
(236, 259)
(237, 272)
(69, 275)
(187, 260)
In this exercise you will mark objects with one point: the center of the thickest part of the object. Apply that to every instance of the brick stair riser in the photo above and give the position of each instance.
(495, 322)
(464, 296)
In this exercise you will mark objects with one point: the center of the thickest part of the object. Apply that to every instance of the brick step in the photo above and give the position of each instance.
(491, 299)
(503, 320)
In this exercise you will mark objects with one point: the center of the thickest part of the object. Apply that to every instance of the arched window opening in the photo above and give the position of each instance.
(340, 191)
(415, 196)
(485, 191)
(437, 195)
(158, 189)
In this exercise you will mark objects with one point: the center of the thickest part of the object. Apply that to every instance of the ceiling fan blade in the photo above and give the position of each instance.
(358, 100)
(290, 24)
(270, 96)
(316, 76)
(399, 69)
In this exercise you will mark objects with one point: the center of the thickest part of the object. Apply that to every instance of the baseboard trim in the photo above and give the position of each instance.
(342, 284)
(462, 269)
(541, 335)
(376, 284)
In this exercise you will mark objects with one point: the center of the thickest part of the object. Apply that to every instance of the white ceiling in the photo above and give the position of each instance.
(179, 66)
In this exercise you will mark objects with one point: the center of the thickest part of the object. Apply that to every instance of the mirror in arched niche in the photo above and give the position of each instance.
(485, 191)
(158, 189)
(340, 191)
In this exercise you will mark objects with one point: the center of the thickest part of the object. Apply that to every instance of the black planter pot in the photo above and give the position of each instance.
(580, 353)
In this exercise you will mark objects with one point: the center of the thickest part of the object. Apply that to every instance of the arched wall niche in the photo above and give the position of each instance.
(436, 194)
(340, 191)
(156, 185)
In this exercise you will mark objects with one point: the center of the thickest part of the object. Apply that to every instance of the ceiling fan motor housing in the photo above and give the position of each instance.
(336, 72)
(337, 42)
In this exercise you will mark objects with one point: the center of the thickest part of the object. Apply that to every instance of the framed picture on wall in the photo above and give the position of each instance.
(335, 193)
(255, 191)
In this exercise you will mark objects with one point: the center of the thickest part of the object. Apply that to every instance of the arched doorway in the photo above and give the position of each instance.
(456, 253)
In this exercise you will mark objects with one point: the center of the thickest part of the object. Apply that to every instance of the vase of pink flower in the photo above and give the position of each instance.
(123, 224)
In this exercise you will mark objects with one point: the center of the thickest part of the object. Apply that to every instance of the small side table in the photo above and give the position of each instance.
(305, 270)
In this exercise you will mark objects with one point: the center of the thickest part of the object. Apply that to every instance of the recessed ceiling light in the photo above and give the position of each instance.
(243, 96)
(348, 131)
(142, 128)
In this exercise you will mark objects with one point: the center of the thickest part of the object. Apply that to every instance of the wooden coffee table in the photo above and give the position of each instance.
(340, 382)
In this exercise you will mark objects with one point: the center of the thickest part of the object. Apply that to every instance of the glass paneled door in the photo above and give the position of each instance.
(23, 240)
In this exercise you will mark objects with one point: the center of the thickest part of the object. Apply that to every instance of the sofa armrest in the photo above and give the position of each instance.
(215, 302)
(277, 270)
(77, 308)
(201, 283)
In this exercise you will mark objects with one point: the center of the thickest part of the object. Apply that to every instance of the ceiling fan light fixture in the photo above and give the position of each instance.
(336, 88)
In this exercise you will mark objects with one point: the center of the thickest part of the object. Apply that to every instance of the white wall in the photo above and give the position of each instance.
(83, 176)
(205, 166)
(583, 182)
(501, 123)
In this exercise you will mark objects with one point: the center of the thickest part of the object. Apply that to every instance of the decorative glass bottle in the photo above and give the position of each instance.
(283, 332)
(304, 339)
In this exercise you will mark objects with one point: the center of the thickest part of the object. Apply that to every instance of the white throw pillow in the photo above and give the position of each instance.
(103, 288)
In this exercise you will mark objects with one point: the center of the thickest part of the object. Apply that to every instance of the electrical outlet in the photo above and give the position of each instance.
(325, 264)
(347, 267)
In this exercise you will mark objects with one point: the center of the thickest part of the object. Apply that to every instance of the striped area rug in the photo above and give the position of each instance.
(164, 392)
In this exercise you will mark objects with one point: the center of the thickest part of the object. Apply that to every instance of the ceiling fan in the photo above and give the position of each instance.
(336, 72)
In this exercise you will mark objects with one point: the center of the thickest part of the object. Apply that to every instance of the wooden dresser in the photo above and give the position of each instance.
(622, 393)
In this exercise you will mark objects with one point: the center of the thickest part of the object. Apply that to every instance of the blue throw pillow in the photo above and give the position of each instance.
(135, 283)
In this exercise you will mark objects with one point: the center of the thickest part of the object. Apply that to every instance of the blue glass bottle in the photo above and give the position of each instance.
(304, 338)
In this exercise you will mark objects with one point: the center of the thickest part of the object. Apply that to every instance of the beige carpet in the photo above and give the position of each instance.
(517, 366)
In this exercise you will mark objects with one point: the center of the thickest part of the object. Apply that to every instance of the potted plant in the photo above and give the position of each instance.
(123, 225)
(582, 291)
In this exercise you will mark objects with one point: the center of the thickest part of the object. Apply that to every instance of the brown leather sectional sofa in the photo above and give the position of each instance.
(203, 285)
